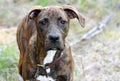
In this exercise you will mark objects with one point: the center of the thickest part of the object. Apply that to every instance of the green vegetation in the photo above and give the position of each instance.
(8, 61)
(40, 2)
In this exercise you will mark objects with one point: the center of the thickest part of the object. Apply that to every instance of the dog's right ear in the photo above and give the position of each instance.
(74, 13)
(34, 12)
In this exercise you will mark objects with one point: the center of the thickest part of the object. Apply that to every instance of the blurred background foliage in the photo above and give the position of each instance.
(12, 11)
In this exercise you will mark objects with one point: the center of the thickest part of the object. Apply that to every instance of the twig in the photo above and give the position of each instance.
(97, 29)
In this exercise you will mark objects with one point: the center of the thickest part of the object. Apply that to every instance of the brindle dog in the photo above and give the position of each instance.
(44, 29)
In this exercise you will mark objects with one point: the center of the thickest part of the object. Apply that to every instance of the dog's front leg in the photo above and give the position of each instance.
(29, 61)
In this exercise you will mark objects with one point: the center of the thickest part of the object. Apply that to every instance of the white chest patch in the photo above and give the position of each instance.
(44, 78)
(48, 59)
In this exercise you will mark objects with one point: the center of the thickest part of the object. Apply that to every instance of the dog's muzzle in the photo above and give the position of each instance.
(54, 42)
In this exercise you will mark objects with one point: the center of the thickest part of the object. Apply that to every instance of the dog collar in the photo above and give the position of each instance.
(39, 65)
(49, 65)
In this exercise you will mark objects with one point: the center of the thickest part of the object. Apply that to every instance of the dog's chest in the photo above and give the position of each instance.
(48, 59)
(44, 78)
(50, 56)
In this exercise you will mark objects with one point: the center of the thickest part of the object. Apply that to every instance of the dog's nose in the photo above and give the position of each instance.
(54, 37)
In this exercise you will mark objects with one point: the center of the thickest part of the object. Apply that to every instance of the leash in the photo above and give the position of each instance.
(54, 62)
(49, 65)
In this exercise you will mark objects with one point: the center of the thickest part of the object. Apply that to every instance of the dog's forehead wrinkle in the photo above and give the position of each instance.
(53, 13)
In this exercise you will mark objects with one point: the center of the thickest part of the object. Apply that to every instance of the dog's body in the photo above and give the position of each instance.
(42, 30)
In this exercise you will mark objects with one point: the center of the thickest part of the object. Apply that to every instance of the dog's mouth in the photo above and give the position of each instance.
(53, 46)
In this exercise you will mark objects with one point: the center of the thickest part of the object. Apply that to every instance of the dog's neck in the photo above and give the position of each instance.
(50, 59)
(41, 52)
(40, 43)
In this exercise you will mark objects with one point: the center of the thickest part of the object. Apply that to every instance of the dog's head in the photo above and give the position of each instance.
(53, 24)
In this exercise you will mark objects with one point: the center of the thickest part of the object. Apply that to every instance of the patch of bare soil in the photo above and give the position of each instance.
(7, 35)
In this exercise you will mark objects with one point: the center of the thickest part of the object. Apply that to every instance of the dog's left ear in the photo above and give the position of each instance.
(73, 13)
(33, 13)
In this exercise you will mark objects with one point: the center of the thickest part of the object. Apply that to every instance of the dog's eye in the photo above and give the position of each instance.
(43, 21)
(63, 22)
